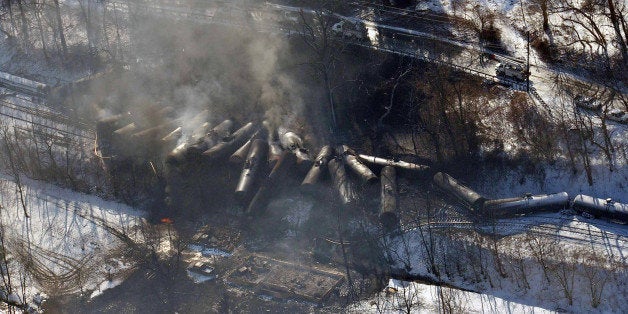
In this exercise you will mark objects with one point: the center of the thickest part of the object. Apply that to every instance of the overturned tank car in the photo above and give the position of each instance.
(598, 207)
(461, 192)
(527, 204)
(316, 172)
(388, 208)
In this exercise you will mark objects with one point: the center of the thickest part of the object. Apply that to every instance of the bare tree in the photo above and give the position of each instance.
(617, 17)
(541, 249)
(597, 278)
(12, 32)
(13, 167)
(564, 272)
(408, 299)
(24, 25)
(42, 36)
(586, 21)
(59, 24)
(317, 34)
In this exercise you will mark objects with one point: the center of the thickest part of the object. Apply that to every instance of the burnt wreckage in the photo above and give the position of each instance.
(249, 164)
(219, 161)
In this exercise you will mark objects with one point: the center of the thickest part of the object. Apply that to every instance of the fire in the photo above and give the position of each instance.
(166, 220)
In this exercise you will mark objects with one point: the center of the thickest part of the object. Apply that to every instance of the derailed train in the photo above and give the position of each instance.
(586, 205)
(266, 157)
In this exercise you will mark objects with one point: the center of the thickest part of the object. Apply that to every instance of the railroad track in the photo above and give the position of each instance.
(421, 56)
(215, 18)
(55, 110)
(540, 224)
(432, 21)
(428, 16)
(585, 235)
(47, 120)
(576, 234)
(47, 114)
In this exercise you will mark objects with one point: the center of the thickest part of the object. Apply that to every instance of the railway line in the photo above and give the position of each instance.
(224, 16)
(51, 122)
(390, 45)
(47, 115)
(23, 85)
(436, 23)
(574, 234)
(539, 225)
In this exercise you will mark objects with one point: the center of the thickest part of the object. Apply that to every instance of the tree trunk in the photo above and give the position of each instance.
(545, 16)
(10, 9)
(620, 38)
(41, 30)
(60, 27)
(25, 36)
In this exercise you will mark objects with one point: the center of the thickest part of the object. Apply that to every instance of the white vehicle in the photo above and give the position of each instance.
(617, 115)
(587, 103)
(201, 269)
(512, 71)
(350, 29)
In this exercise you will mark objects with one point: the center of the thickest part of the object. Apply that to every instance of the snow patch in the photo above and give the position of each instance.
(107, 284)
(208, 251)
(402, 296)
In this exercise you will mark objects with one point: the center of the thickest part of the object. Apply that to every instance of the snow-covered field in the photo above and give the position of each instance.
(550, 261)
(56, 69)
(558, 176)
(402, 296)
(69, 243)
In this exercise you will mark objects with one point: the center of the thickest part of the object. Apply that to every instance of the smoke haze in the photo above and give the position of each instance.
(214, 71)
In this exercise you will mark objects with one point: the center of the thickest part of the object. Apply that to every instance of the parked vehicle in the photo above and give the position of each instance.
(512, 71)
(617, 115)
(348, 29)
(589, 103)
(202, 269)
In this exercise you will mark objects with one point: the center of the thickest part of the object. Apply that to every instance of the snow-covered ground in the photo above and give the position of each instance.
(402, 296)
(513, 18)
(56, 69)
(69, 243)
(551, 261)
(558, 176)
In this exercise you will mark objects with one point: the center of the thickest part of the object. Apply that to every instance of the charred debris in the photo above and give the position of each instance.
(223, 162)
(185, 171)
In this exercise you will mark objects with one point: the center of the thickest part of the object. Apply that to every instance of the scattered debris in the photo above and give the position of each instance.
(282, 279)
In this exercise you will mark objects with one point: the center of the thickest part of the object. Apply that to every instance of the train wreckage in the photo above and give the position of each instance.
(586, 205)
(220, 162)
(263, 159)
